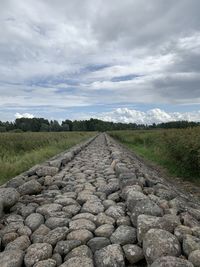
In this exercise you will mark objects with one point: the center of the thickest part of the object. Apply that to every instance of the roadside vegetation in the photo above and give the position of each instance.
(44, 125)
(178, 150)
(20, 151)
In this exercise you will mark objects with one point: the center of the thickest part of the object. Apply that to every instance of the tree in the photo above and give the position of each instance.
(44, 127)
(69, 123)
(55, 126)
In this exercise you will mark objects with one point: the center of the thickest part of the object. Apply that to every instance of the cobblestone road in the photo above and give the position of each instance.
(101, 207)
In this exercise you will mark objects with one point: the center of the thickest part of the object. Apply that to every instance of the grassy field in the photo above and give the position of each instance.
(178, 150)
(20, 151)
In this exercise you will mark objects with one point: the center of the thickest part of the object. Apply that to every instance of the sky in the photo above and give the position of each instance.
(128, 61)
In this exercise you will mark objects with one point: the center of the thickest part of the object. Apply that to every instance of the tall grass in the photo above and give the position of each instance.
(176, 149)
(20, 151)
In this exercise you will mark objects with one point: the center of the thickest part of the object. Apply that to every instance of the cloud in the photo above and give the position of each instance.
(24, 115)
(78, 53)
(151, 116)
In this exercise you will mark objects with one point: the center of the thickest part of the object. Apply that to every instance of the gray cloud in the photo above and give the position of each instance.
(85, 48)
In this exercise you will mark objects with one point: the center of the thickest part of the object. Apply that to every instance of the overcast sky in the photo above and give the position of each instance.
(131, 61)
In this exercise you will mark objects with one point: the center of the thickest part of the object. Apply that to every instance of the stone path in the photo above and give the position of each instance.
(97, 205)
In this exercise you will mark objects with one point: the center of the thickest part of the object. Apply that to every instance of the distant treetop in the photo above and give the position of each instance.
(44, 125)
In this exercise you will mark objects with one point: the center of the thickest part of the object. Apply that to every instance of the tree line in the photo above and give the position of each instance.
(44, 125)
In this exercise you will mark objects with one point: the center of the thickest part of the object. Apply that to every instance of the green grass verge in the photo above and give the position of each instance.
(178, 151)
(20, 151)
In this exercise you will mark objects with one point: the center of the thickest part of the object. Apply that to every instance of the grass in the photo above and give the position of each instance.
(177, 150)
(20, 151)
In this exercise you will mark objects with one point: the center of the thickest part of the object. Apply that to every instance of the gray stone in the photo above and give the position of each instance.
(46, 263)
(124, 235)
(24, 230)
(112, 255)
(194, 258)
(8, 197)
(127, 189)
(115, 197)
(27, 210)
(31, 187)
(123, 221)
(105, 230)
(120, 168)
(134, 197)
(56, 235)
(34, 220)
(83, 235)
(147, 207)
(166, 194)
(21, 243)
(65, 246)
(8, 237)
(195, 213)
(81, 251)
(67, 157)
(14, 219)
(147, 222)
(97, 243)
(65, 201)
(37, 252)
(190, 243)
(41, 231)
(188, 220)
(181, 231)
(107, 203)
(56, 163)
(46, 170)
(85, 196)
(195, 231)
(1, 208)
(109, 188)
(85, 215)
(102, 218)
(72, 210)
(133, 253)
(115, 212)
(93, 207)
(11, 258)
(78, 262)
(57, 257)
(70, 195)
(48, 180)
(15, 182)
(170, 261)
(54, 222)
(82, 224)
(130, 179)
(47, 209)
(158, 243)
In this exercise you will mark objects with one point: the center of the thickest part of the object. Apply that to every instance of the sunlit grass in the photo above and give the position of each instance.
(20, 151)
(178, 150)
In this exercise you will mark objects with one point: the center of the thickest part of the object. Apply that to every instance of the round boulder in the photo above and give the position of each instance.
(123, 235)
(11, 258)
(8, 197)
(170, 261)
(112, 255)
(194, 257)
(158, 243)
(37, 252)
(34, 220)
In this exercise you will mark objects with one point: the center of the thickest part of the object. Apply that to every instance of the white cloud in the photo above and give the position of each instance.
(47, 45)
(151, 116)
(24, 115)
